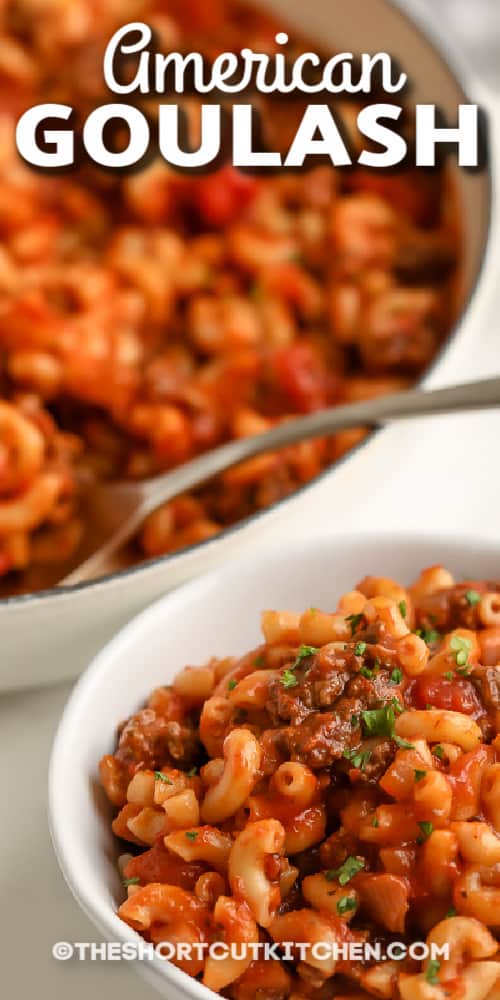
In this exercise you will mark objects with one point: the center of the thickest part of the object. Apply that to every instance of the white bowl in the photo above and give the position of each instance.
(52, 636)
(217, 615)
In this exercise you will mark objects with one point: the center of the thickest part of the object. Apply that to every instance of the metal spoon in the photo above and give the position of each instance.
(115, 511)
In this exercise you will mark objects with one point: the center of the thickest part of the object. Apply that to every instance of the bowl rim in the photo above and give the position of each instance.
(85, 691)
(464, 80)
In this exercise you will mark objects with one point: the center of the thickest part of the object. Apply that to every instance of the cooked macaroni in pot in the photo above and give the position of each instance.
(338, 785)
(147, 317)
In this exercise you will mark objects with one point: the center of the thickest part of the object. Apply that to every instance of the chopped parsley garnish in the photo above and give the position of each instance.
(465, 670)
(346, 904)
(192, 772)
(191, 834)
(396, 676)
(431, 974)
(360, 648)
(461, 647)
(449, 675)
(259, 660)
(289, 679)
(426, 828)
(232, 684)
(346, 872)
(355, 621)
(429, 635)
(358, 758)
(472, 597)
(403, 744)
(438, 751)
(403, 609)
(303, 652)
(375, 822)
(159, 776)
(451, 912)
(313, 611)
(381, 721)
(419, 775)
(366, 672)
(131, 881)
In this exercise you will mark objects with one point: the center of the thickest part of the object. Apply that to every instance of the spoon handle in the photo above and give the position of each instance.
(478, 395)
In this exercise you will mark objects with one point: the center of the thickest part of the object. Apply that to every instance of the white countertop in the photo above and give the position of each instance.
(444, 475)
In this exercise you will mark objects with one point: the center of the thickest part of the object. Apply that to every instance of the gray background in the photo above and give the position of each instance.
(473, 26)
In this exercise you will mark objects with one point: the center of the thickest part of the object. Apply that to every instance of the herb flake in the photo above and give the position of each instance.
(355, 621)
(472, 597)
(358, 758)
(160, 776)
(346, 872)
(432, 971)
(345, 905)
(426, 827)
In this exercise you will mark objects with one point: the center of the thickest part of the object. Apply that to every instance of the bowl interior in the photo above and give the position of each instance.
(217, 615)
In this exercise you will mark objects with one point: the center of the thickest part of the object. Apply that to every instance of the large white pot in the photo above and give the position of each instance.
(52, 636)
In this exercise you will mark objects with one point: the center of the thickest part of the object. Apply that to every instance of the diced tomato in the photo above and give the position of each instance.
(221, 197)
(302, 377)
(159, 865)
(457, 695)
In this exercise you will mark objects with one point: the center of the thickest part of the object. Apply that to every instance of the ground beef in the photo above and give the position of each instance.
(487, 683)
(323, 707)
(487, 680)
(372, 692)
(321, 680)
(321, 738)
(381, 755)
(148, 740)
(337, 848)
